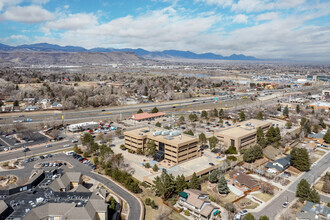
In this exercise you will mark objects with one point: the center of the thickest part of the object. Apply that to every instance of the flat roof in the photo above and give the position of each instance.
(243, 128)
(147, 132)
(195, 165)
(146, 115)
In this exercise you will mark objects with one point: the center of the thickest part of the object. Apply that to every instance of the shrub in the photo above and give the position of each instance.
(155, 168)
(186, 213)
(233, 158)
(147, 165)
(139, 151)
(145, 185)
(85, 154)
(123, 147)
(147, 201)
(153, 205)
(231, 150)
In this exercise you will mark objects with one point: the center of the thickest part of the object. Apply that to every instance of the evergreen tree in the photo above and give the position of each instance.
(303, 190)
(263, 217)
(16, 103)
(158, 124)
(298, 109)
(193, 117)
(242, 116)
(87, 139)
(314, 196)
(261, 137)
(271, 135)
(140, 111)
(252, 154)
(213, 141)
(180, 183)
(216, 113)
(112, 204)
(220, 121)
(322, 124)
(299, 159)
(286, 111)
(164, 185)
(181, 119)
(155, 168)
(277, 134)
(154, 110)
(221, 113)
(150, 149)
(288, 125)
(194, 182)
(326, 137)
(204, 114)
(260, 116)
(249, 216)
(213, 177)
(202, 139)
(222, 186)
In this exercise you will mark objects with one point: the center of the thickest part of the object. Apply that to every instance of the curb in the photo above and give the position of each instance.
(142, 215)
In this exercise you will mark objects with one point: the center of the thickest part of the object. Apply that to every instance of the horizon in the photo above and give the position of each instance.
(276, 29)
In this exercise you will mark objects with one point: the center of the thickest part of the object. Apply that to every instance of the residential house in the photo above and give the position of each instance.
(278, 165)
(244, 181)
(197, 203)
(31, 108)
(313, 211)
(56, 105)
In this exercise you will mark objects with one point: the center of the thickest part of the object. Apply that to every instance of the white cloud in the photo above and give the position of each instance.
(4, 3)
(73, 22)
(240, 19)
(265, 5)
(27, 14)
(267, 16)
(223, 3)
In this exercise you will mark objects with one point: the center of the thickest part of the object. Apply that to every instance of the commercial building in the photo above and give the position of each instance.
(242, 135)
(82, 126)
(320, 105)
(145, 116)
(197, 203)
(171, 145)
(95, 209)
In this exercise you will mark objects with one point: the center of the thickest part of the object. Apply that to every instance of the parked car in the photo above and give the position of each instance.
(49, 145)
(66, 145)
(74, 141)
(243, 212)
(26, 149)
(285, 204)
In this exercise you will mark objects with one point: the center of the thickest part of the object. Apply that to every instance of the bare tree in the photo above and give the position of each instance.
(164, 213)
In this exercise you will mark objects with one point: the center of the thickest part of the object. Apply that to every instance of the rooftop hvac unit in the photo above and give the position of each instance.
(168, 138)
(175, 133)
(156, 133)
(165, 133)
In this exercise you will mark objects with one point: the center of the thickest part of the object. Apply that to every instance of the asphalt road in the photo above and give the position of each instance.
(275, 206)
(134, 205)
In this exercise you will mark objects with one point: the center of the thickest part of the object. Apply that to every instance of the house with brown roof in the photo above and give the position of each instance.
(198, 204)
(145, 116)
(245, 181)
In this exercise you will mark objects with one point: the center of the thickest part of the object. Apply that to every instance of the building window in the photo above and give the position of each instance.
(232, 142)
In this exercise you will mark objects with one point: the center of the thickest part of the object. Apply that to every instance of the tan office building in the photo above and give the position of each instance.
(171, 145)
(242, 135)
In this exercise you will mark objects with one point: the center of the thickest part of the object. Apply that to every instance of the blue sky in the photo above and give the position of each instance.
(284, 29)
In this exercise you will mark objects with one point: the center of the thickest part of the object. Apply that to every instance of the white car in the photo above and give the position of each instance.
(6, 149)
(285, 204)
(67, 145)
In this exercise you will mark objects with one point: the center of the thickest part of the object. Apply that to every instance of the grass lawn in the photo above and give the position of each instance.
(263, 196)
(320, 153)
(252, 205)
(222, 200)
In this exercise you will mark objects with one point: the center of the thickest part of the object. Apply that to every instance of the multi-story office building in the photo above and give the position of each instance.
(242, 135)
(171, 145)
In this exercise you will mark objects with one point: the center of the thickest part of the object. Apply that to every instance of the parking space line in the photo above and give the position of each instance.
(8, 145)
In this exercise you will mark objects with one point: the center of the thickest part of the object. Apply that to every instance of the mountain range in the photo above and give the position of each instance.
(166, 54)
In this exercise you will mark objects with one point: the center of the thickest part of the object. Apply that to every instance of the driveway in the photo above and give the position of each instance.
(274, 206)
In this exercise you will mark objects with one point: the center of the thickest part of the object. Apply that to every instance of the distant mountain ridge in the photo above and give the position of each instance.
(166, 54)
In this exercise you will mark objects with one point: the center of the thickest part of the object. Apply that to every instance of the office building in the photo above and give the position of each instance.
(171, 145)
(242, 135)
